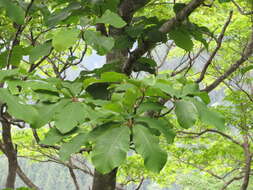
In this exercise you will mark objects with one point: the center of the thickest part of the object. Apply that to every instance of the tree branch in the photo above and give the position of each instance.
(245, 55)
(219, 42)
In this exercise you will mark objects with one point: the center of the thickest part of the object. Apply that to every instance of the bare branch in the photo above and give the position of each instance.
(245, 55)
(219, 42)
(194, 135)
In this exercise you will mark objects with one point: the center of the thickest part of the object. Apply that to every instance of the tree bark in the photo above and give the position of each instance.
(247, 167)
(104, 181)
(11, 155)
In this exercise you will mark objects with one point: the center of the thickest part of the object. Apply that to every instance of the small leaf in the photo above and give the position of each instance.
(208, 116)
(147, 145)
(39, 51)
(65, 38)
(186, 113)
(112, 19)
(111, 149)
(16, 13)
(73, 146)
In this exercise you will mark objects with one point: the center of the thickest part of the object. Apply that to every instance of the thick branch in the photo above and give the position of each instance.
(165, 28)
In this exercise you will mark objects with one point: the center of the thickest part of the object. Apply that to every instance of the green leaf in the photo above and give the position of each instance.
(147, 145)
(20, 111)
(57, 17)
(112, 19)
(16, 13)
(167, 88)
(113, 77)
(145, 64)
(40, 51)
(7, 73)
(65, 38)
(71, 115)
(101, 44)
(47, 112)
(181, 38)
(73, 146)
(208, 116)
(149, 106)
(246, 69)
(163, 126)
(111, 149)
(186, 113)
(52, 137)
(224, 1)
(190, 89)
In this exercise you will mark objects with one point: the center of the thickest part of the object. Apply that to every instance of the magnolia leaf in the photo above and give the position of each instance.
(15, 12)
(112, 19)
(163, 126)
(181, 38)
(73, 146)
(70, 116)
(147, 145)
(101, 44)
(186, 112)
(111, 149)
(52, 137)
(39, 51)
(47, 112)
(20, 111)
(208, 116)
(65, 38)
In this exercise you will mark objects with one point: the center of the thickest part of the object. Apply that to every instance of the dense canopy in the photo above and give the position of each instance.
(129, 92)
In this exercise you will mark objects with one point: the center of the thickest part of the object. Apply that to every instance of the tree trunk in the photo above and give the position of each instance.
(247, 168)
(104, 182)
(11, 155)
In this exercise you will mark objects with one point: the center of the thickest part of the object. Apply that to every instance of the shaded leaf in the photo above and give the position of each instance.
(147, 145)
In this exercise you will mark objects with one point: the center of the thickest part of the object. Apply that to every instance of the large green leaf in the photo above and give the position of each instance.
(165, 127)
(20, 111)
(7, 73)
(181, 38)
(186, 112)
(71, 115)
(39, 51)
(148, 146)
(16, 13)
(208, 116)
(73, 146)
(111, 18)
(57, 17)
(47, 112)
(52, 137)
(111, 149)
(65, 38)
(101, 44)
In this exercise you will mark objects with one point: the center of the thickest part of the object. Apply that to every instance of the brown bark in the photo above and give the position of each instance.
(104, 181)
(11, 155)
(247, 167)
(25, 179)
